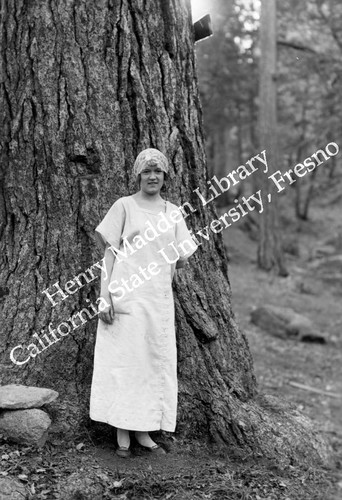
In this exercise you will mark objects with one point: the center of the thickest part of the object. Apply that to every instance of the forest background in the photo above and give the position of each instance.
(308, 116)
(308, 74)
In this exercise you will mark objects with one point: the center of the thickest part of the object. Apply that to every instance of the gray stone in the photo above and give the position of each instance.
(329, 270)
(13, 397)
(324, 251)
(11, 489)
(284, 322)
(25, 426)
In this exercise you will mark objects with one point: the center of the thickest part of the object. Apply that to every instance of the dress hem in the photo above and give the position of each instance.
(140, 429)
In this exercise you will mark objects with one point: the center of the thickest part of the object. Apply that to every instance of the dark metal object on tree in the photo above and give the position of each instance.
(202, 28)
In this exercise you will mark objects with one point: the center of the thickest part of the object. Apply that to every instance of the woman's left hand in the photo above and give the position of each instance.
(181, 263)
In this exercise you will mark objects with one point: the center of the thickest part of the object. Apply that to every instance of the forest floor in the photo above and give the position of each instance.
(197, 471)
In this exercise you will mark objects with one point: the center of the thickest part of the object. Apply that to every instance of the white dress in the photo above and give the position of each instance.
(134, 382)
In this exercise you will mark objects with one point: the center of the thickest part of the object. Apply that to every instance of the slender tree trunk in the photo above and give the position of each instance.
(304, 197)
(84, 87)
(252, 122)
(240, 134)
(304, 187)
(270, 254)
(332, 168)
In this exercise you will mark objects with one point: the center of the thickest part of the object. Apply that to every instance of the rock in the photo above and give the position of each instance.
(323, 251)
(329, 264)
(13, 397)
(25, 426)
(329, 269)
(336, 241)
(307, 287)
(81, 484)
(11, 489)
(284, 322)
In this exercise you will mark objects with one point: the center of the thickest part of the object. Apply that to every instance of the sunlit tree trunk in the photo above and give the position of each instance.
(270, 254)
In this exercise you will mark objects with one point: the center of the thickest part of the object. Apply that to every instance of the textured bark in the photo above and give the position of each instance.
(270, 254)
(84, 87)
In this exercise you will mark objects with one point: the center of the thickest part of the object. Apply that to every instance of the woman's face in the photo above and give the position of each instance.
(151, 179)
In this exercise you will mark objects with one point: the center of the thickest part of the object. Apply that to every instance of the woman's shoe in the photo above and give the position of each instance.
(158, 450)
(123, 452)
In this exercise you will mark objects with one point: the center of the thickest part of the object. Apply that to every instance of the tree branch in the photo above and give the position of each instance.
(296, 46)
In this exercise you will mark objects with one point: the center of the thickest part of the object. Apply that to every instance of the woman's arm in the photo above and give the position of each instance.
(107, 314)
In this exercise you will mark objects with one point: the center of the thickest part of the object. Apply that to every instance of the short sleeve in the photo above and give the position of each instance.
(111, 227)
(185, 243)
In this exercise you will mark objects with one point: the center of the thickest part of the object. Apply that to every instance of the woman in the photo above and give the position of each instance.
(145, 238)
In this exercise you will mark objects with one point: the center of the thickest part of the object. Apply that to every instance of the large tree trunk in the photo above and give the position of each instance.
(84, 87)
(270, 254)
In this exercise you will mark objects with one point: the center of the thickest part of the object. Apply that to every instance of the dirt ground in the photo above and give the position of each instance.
(197, 471)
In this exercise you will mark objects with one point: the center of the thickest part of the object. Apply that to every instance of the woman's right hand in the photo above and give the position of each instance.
(107, 312)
